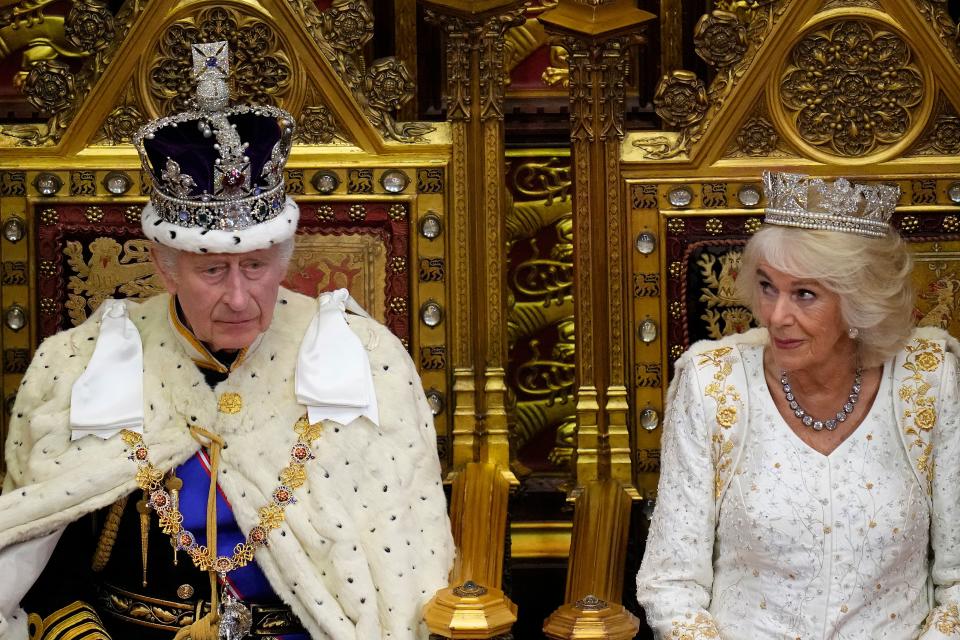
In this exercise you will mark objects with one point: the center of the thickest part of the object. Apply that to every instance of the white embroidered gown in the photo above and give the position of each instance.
(806, 546)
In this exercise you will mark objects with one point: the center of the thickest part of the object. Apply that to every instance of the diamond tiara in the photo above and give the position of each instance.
(216, 167)
(797, 200)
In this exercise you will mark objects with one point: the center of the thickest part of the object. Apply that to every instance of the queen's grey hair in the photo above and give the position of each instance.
(872, 277)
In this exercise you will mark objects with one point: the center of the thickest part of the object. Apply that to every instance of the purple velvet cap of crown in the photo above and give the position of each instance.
(186, 145)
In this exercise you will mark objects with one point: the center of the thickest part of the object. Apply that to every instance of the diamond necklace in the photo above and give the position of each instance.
(820, 425)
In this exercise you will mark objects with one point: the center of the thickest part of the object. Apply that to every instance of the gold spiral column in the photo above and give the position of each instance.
(475, 606)
(597, 36)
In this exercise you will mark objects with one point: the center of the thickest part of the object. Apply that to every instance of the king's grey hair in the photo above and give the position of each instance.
(167, 256)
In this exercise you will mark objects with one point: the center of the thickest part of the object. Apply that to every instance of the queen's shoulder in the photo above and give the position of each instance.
(931, 345)
(731, 345)
(921, 335)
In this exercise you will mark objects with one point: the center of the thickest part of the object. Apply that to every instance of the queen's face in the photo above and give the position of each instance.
(227, 299)
(807, 331)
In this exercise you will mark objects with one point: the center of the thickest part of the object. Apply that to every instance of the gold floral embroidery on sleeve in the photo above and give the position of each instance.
(728, 409)
(701, 627)
(919, 404)
(946, 619)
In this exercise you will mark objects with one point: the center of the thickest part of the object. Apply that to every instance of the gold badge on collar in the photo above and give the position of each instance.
(230, 403)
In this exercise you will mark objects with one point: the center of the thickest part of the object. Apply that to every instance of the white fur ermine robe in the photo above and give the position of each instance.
(368, 541)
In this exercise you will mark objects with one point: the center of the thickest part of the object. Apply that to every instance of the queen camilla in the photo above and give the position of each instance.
(810, 484)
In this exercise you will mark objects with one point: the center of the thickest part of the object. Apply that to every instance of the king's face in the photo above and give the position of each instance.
(228, 299)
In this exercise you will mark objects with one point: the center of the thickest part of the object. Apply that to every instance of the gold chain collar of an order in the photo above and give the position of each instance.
(150, 479)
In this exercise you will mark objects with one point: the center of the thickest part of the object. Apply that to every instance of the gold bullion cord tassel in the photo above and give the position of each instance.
(108, 536)
(174, 484)
(144, 532)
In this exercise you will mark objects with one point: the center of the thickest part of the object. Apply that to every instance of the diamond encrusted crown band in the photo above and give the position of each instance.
(797, 200)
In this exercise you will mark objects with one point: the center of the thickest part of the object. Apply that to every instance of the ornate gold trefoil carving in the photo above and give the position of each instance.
(261, 70)
(852, 88)
(341, 32)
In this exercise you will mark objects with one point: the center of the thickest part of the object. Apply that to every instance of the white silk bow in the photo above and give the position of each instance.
(108, 395)
(333, 371)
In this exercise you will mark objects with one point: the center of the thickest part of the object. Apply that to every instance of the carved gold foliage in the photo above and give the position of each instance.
(547, 381)
(758, 137)
(493, 72)
(388, 86)
(935, 13)
(757, 15)
(548, 279)
(122, 124)
(316, 125)
(316, 122)
(604, 62)
(549, 376)
(540, 324)
(261, 70)
(50, 86)
(852, 88)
